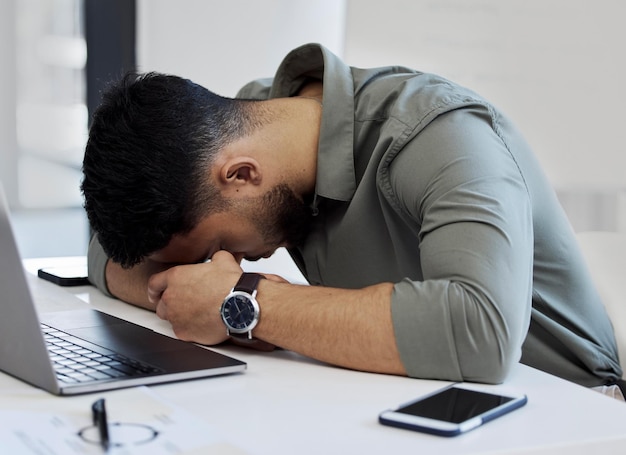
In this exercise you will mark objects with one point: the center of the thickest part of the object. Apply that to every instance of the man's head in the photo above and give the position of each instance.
(174, 172)
(151, 144)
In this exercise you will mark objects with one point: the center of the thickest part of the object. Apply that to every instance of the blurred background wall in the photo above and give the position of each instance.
(554, 66)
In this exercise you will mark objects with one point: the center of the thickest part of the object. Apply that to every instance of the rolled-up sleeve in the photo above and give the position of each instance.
(467, 318)
(96, 265)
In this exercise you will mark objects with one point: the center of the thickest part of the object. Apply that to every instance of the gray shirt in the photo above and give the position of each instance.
(424, 184)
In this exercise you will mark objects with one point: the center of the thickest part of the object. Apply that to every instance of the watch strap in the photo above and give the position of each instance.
(248, 282)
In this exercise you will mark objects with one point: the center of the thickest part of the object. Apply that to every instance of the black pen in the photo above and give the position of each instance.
(99, 413)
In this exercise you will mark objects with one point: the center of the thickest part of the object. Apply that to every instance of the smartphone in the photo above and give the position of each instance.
(451, 411)
(65, 275)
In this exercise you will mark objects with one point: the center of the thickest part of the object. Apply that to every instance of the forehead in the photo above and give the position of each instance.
(210, 235)
(180, 251)
(190, 247)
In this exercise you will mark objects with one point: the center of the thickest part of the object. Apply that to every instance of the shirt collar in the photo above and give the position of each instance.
(335, 161)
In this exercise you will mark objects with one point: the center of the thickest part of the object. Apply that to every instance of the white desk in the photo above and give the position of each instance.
(287, 404)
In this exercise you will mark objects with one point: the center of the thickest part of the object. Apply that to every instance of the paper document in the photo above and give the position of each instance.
(139, 423)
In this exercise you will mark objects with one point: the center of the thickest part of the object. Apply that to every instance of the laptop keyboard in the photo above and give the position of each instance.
(74, 362)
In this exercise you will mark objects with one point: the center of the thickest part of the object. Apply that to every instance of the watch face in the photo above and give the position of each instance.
(240, 312)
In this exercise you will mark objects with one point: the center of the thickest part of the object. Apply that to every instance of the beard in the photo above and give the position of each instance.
(281, 217)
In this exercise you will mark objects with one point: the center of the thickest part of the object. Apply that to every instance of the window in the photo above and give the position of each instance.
(51, 113)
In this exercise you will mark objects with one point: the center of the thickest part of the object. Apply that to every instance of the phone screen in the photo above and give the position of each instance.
(454, 405)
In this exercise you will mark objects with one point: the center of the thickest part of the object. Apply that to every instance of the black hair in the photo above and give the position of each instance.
(146, 167)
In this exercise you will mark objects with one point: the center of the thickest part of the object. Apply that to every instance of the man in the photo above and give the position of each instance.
(433, 242)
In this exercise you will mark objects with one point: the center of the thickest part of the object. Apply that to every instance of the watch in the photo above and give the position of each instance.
(240, 311)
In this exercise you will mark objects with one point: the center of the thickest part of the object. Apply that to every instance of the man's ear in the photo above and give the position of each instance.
(240, 173)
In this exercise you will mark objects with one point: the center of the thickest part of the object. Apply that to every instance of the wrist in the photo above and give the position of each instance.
(241, 312)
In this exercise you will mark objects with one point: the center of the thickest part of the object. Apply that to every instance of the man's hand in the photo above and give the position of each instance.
(348, 327)
(190, 296)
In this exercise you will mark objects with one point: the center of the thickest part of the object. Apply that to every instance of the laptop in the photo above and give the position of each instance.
(83, 351)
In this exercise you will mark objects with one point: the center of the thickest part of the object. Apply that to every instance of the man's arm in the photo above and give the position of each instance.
(129, 285)
(467, 318)
(348, 328)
